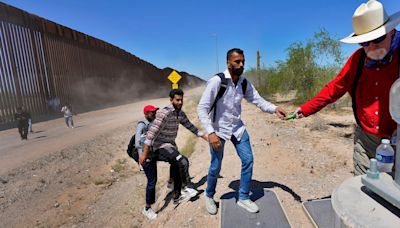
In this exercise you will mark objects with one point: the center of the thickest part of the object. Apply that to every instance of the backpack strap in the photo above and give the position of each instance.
(221, 91)
(355, 82)
(244, 86)
(146, 125)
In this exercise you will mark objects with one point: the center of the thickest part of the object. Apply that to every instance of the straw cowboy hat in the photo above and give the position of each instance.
(371, 21)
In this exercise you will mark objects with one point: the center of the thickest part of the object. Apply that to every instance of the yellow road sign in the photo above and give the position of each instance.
(174, 77)
(175, 86)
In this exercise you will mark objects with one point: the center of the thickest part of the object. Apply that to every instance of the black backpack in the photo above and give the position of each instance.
(222, 89)
(132, 151)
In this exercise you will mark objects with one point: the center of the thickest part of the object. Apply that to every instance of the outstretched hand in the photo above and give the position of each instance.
(280, 113)
(299, 113)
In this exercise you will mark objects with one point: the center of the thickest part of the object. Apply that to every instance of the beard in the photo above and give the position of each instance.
(237, 71)
(177, 107)
(377, 54)
(150, 119)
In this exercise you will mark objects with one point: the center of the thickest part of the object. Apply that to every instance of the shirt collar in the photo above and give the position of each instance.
(228, 75)
(173, 108)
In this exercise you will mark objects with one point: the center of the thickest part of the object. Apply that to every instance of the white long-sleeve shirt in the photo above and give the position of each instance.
(228, 114)
(66, 111)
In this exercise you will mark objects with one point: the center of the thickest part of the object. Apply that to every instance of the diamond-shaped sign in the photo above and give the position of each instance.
(174, 77)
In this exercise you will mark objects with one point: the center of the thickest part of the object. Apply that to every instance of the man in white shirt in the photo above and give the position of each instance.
(68, 116)
(222, 122)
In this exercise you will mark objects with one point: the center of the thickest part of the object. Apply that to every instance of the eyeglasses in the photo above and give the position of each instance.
(376, 41)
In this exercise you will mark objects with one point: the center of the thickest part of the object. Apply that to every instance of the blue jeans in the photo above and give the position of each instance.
(69, 121)
(243, 149)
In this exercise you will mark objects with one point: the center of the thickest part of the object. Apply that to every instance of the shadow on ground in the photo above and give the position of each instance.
(169, 196)
(258, 185)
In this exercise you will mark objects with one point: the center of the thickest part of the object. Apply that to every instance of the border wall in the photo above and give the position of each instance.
(44, 65)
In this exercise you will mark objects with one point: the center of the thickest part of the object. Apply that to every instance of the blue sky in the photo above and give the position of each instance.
(182, 34)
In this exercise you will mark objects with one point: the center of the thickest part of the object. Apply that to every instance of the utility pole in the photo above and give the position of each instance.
(258, 69)
(216, 51)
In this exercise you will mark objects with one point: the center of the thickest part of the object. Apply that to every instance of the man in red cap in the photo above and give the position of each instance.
(149, 109)
(142, 127)
(151, 168)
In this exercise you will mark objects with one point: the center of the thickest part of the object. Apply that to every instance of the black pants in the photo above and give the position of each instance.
(185, 177)
(23, 130)
(150, 169)
(179, 171)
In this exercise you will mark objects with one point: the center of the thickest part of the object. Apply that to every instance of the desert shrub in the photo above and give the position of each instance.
(307, 68)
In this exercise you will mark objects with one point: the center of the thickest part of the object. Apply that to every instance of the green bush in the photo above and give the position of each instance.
(307, 68)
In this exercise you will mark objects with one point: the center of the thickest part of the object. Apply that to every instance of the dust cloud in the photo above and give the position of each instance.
(97, 92)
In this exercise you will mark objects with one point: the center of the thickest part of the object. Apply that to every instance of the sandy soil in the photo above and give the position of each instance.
(82, 177)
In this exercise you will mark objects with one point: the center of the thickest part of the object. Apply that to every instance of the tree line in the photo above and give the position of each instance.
(307, 68)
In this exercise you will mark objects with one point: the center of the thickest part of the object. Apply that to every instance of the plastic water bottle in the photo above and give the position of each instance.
(385, 156)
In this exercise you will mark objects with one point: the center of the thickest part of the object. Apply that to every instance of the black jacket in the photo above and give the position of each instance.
(22, 117)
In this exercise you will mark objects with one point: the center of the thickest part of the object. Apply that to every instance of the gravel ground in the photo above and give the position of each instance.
(94, 184)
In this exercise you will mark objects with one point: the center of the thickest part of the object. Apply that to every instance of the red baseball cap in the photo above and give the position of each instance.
(149, 108)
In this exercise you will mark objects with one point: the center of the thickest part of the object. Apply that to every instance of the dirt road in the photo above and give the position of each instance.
(54, 135)
(81, 177)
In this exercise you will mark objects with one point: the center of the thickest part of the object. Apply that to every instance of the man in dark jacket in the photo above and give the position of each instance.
(22, 119)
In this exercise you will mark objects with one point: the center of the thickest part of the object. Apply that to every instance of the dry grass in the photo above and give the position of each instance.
(120, 165)
(190, 145)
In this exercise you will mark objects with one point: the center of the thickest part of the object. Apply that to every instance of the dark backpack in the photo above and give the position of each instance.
(132, 150)
(222, 89)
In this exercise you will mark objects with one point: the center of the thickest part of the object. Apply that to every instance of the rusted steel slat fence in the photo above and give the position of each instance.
(44, 65)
